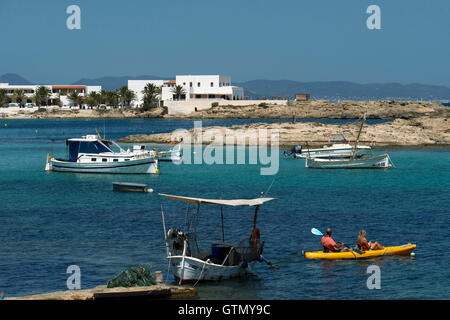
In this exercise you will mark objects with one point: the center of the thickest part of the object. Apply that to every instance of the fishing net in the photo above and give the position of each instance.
(133, 277)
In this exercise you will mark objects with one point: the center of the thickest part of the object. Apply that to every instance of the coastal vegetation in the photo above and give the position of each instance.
(178, 92)
(40, 97)
(3, 97)
(152, 96)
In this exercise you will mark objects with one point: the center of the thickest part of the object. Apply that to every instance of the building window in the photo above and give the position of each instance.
(198, 84)
(184, 83)
(190, 84)
(212, 84)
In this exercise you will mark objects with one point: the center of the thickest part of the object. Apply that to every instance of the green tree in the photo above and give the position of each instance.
(36, 98)
(111, 98)
(151, 96)
(178, 91)
(75, 97)
(95, 98)
(43, 93)
(19, 95)
(3, 97)
(126, 96)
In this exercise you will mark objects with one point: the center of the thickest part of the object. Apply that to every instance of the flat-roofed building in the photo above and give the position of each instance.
(195, 87)
(60, 92)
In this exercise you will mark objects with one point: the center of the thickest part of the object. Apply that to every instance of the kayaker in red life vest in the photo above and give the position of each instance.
(329, 245)
(363, 245)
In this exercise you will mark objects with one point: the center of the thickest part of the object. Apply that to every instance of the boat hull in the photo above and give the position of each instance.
(193, 270)
(379, 162)
(397, 250)
(146, 165)
(331, 152)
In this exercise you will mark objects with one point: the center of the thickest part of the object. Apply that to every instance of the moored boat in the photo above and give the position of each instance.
(374, 162)
(92, 154)
(339, 149)
(403, 250)
(352, 160)
(220, 260)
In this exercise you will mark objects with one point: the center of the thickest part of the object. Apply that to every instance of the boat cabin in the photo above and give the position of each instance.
(87, 145)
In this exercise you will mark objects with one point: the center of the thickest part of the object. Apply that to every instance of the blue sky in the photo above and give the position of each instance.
(321, 40)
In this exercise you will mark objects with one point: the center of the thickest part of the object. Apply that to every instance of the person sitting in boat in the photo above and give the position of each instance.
(255, 238)
(363, 245)
(329, 245)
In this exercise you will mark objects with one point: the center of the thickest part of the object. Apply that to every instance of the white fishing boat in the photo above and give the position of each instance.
(339, 149)
(374, 162)
(352, 161)
(220, 260)
(93, 154)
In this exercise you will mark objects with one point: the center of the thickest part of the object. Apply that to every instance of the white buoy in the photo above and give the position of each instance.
(413, 253)
(150, 190)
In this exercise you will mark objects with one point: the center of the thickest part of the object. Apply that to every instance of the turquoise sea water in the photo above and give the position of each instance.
(49, 221)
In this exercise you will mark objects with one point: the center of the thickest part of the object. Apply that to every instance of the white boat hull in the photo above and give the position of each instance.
(146, 165)
(331, 152)
(378, 162)
(192, 270)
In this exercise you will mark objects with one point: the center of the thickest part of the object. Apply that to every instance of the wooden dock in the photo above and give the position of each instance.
(158, 291)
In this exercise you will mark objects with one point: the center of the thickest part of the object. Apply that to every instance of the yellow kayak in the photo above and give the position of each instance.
(403, 250)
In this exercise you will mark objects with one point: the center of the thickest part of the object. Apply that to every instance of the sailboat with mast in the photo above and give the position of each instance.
(354, 161)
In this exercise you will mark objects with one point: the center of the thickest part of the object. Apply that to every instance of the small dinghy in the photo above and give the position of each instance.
(130, 187)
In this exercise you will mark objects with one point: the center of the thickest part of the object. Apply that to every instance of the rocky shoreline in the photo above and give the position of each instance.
(414, 124)
(422, 131)
(322, 109)
(314, 109)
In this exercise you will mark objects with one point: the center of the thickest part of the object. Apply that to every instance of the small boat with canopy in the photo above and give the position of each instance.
(219, 260)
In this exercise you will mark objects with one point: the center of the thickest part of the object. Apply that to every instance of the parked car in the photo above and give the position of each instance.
(30, 105)
(12, 104)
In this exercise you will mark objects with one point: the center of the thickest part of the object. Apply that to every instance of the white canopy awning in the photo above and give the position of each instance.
(234, 202)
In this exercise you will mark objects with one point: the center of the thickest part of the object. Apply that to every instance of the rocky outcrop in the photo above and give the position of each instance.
(419, 131)
(322, 109)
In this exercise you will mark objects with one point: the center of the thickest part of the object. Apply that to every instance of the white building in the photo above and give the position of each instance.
(196, 88)
(56, 91)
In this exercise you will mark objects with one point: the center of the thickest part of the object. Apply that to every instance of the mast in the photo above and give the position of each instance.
(221, 216)
(255, 217)
(357, 138)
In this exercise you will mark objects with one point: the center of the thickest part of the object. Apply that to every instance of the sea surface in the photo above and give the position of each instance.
(49, 221)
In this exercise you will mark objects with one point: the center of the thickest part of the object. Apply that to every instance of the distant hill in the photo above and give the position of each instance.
(13, 78)
(343, 90)
(257, 89)
(112, 83)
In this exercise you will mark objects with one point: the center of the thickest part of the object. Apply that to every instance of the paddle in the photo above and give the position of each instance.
(261, 258)
(317, 232)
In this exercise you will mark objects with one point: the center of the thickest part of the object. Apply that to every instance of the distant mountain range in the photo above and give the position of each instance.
(256, 89)
(13, 78)
(340, 90)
